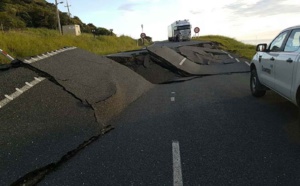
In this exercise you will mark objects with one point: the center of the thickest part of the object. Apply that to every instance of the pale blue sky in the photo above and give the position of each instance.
(241, 19)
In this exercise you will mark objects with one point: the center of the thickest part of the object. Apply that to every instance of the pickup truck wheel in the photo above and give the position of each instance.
(255, 85)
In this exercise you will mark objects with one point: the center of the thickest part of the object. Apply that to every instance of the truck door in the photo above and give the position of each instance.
(285, 63)
(267, 60)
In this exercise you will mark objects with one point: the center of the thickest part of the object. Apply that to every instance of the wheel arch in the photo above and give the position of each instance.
(252, 66)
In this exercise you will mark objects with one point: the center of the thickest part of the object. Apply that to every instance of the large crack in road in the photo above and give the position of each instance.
(108, 87)
(34, 177)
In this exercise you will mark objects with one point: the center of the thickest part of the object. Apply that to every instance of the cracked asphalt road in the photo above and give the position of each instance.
(226, 136)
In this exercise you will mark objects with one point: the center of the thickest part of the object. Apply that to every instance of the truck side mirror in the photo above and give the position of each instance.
(261, 47)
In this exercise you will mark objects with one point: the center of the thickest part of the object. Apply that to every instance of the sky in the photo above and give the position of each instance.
(239, 19)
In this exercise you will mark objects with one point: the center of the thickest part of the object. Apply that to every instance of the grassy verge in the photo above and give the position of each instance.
(230, 44)
(32, 42)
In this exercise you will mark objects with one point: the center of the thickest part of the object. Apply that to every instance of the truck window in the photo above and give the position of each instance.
(183, 27)
(293, 43)
(276, 45)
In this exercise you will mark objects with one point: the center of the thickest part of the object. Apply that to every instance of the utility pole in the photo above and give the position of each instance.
(58, 19)
(68, 9)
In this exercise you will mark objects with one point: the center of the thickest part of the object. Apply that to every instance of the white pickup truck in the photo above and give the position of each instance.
(277, 67)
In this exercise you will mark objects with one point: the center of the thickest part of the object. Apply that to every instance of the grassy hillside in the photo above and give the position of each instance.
(230, 44)
(31, 42)
(20, 14)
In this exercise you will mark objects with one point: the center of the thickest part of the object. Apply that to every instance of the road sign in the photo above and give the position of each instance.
(197, 30)
(143, 35)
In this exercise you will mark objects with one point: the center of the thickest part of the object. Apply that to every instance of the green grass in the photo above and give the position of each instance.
(230, 44)
(31, 42)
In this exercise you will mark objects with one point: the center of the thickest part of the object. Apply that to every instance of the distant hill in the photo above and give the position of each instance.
(19, 14)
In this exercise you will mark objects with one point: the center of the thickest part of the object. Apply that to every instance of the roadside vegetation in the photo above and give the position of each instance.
(20, 14)
(231, 45)
(31, 42)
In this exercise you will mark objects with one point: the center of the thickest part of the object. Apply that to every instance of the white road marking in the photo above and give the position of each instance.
(224, 51)
(27, 61)
(4, 102)
(247, 63)
(173, 96)
(9, 97)
(49, 54)
(40, 57)
(37, 79)
(18, 92)
(230, 56)
(182, 61)
(29, 84)
(177, 173)
(237, 59)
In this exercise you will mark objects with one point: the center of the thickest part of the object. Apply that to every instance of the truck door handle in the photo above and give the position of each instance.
(272, 59)
(289, 60)
(259, 58)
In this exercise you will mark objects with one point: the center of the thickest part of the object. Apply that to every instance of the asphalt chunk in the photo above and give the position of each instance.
(170, 57)
(143, 65)
(204, 56)
(105, 85)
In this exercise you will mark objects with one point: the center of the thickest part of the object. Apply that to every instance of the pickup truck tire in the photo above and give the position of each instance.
(256, 87)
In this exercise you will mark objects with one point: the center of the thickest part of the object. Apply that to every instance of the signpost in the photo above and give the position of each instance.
(197, 30)
(143, 36)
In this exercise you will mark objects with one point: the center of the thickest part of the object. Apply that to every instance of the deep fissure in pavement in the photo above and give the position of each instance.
(34, 177)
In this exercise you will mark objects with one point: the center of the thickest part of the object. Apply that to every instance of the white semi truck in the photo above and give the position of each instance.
(180, 31)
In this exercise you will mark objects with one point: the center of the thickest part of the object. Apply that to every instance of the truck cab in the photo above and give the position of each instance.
(276, 66)
(179, 31)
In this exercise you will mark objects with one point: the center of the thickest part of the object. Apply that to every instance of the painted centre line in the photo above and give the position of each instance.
(177, 172)
(237, 59)
(182, 61)
(230, 56)
(247, 63)
(173, 96)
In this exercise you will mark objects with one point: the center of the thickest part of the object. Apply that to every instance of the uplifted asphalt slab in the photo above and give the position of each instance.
(205, 56)
(96, 80)
(81, 93)
(39, 127)
(170, 57)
